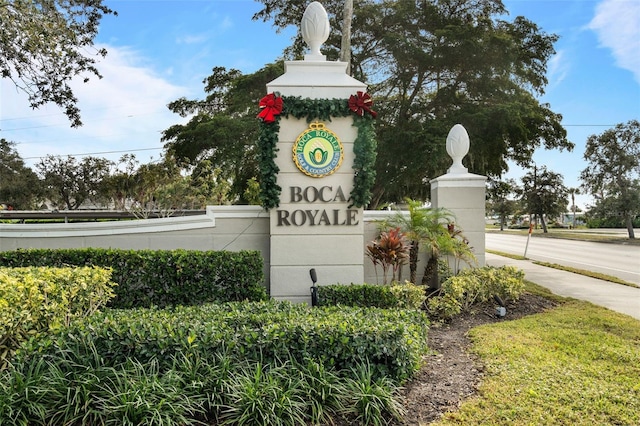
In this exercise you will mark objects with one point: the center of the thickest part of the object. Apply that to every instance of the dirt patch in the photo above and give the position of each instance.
(451, 374)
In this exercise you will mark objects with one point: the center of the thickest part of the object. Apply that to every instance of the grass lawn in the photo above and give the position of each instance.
(577, 364)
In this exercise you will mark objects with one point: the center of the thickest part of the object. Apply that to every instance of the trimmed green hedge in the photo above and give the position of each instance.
(161, 277)
(396, 295)
(393, 342)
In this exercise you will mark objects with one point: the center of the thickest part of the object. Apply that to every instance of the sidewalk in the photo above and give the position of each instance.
(617, 297)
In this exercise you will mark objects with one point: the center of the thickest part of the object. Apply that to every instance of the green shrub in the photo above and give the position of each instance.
(392, 341)
(408, 295)
(161, 277)
(472, 286)
(611, 222)
(38, 300)
(397, 295)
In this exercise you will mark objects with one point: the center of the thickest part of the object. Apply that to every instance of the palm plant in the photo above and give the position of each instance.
(436, 240)
(458, 247)
(413, 227)
(431, 229)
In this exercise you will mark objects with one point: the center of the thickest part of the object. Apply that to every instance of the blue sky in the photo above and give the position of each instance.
(160, 50)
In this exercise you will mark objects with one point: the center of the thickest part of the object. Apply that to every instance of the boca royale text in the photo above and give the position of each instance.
(319, 216)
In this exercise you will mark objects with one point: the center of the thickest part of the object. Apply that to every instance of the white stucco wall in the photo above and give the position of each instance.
(230, 228)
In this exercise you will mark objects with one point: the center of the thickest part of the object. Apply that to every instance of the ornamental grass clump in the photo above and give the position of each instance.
(236, 363)
(372, 400)
(325, 391)
(62, 392)
(265, 395)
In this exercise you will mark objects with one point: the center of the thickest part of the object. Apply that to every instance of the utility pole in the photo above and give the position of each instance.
(345, 45)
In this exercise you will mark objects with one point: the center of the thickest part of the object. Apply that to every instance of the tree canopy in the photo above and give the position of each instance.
(613, 173)
(69, 183)
(428, 64)
(44, 44)
(501, 198)
(432, 64)
(544, 194)
(19, 185)
(223, 128)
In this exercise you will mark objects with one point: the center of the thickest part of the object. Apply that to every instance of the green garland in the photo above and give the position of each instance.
(318, 109)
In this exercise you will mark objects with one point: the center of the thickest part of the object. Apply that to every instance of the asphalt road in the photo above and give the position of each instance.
(622, 261)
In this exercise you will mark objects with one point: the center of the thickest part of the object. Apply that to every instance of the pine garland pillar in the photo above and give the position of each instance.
(314, 187)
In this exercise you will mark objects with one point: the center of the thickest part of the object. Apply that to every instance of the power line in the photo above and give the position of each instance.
(150, 113)
(85, 139)
(589, 125)
(63, 115)
(95, 153)
(85, 121)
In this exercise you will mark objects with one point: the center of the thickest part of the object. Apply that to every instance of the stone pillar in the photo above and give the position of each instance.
(462, 193)
(314, 227)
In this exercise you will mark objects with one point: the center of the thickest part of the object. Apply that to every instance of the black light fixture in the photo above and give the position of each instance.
(501, 310)
(314, 288)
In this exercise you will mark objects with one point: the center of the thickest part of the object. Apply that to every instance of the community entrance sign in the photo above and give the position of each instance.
(315, 224)
(316, 185)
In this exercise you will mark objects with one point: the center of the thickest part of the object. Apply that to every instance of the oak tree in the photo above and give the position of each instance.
(223, 128)
(613, 172)
(544, 194)
(45, 44)
(68, 183)
(432, 64)
(19, 185)
(501, 198)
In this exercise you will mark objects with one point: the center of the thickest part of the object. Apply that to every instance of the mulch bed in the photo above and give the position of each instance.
(451, 374)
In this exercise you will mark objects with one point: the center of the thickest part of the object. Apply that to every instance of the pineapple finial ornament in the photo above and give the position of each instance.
(315, 30)
(457, 148)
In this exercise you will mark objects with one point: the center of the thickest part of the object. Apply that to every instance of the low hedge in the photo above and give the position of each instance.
(341, 338)
(39, 300)
(397, 295)
(161, 277)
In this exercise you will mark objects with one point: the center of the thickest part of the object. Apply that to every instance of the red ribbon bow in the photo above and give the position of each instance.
(271, 107)
(361, 102)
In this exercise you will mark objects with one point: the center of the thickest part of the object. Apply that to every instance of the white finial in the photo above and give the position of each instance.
(315, 30)
(457, 148)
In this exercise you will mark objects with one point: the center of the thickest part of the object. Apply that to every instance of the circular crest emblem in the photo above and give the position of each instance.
(317, 151)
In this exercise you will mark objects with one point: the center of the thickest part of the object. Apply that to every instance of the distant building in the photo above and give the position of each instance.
(567, 219)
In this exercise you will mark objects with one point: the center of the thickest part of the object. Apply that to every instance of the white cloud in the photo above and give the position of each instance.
(617, 24)
(192, 39)
(558, 68)
(226, 23)
(125, 110)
